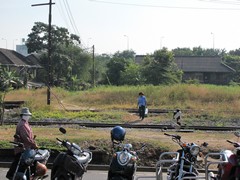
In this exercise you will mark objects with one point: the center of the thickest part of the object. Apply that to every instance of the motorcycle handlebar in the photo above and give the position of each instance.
(173, 135)
(59, 140)
(235, 144)
(17, 144)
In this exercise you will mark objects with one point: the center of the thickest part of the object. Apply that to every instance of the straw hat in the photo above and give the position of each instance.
(25, 111)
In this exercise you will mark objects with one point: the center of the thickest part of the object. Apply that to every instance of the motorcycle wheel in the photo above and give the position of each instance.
(190, 176)
(118, 178)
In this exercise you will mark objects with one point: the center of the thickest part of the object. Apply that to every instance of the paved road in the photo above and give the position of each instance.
(89, 175)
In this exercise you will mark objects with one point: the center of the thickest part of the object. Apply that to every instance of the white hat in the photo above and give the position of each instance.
(26, 112)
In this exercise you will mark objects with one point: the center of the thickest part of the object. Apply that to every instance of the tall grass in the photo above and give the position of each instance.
(206, 101)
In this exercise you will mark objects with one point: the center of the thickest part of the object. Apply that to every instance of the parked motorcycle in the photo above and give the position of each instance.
(72, 164)
(32, 164)
(229, 164)
(123, 165)
(184, 165)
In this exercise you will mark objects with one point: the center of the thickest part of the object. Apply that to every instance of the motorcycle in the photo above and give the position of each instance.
(228, 164)
(31, 164)
(123, 164)
(72, 164)
(184, 166)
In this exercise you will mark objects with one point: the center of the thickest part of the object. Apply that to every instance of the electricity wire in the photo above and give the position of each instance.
(71, 17)
(162, 6)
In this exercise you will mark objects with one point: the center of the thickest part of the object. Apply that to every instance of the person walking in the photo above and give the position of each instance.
(24, 135)
(142, 104)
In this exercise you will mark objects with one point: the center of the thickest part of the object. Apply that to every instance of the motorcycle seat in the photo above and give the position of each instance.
(42, 154)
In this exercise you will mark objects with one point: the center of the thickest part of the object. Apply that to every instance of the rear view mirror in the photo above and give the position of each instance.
(62, 130)
(16, 136)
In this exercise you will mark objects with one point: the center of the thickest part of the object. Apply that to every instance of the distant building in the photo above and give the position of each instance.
(22, 49)
(206, 69)
(23, 65)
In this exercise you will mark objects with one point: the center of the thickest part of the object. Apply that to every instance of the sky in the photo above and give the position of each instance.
(139, 25)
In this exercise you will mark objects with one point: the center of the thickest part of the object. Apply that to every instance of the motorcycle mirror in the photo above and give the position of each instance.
(62, 130)
(16, 136)
(205, 144)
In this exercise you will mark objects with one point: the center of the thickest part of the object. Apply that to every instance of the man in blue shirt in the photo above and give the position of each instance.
(142, 104)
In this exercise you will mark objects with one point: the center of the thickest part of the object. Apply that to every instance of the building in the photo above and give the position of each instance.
(24, 66)
(205, 69)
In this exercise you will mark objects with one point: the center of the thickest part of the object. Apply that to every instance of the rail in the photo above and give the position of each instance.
(128, 125)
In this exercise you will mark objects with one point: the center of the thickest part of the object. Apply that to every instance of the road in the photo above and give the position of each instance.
(89, 175)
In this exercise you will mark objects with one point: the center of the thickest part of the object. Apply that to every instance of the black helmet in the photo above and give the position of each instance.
(118, 133)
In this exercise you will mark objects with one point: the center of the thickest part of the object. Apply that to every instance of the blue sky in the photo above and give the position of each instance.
(142, 25)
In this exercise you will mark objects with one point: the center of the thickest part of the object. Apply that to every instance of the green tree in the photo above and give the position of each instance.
(115, 67)
(235, 52)
(234, 62)
(101, 62)
(160, 68)
(127, 54)
(131, 75)
(182, 52)
(8, 80)
(198, 51)
(38, 39)
(68, 61)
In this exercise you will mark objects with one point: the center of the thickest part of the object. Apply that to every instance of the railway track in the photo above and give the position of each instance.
(129, 125)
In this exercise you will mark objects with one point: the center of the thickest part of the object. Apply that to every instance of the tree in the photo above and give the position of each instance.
(198, 51)
(160, 68)
(68, 61)
(131, 75)
(127, 54)
(38, 39)
(115, 67)
(101, 62)
(234, 62)
(8, 79)
(182, 52)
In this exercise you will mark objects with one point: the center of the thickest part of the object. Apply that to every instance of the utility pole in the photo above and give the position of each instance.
(49, 48)
(93, 75)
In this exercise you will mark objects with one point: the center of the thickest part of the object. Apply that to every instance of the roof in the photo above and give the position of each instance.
(202, 64)
(33, 60)
(13, 58)
(197, 63)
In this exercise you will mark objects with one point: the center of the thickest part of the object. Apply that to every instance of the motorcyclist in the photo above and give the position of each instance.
(24, 135)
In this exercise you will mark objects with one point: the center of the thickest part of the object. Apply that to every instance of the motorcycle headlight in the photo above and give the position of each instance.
(75, 149)
(123, 158)
(194, 150)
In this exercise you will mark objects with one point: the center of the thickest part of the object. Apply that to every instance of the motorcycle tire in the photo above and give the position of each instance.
(118, 178)
(190, 176)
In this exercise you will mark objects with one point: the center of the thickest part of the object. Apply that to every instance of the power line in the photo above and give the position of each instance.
(161, 6)
(70, 16)
(61, 12)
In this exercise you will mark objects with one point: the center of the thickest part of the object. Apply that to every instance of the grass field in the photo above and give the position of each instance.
(99, 138)
(201, 105)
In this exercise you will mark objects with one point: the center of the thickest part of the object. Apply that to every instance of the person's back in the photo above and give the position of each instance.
(142, 103)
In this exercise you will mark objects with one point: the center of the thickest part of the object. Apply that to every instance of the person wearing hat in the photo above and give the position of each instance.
(24, 135)
(142, 104)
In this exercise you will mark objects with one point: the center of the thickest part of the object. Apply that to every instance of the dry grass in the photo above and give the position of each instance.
(216, 140)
